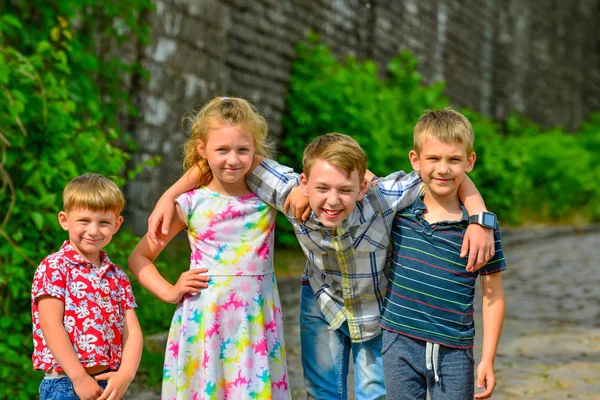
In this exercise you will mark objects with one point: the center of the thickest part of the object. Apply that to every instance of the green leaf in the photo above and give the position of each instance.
(12, 21)
(38, 220)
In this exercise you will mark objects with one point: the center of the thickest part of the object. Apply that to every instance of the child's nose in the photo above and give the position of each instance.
(93, 229)
(232, 158)
(443, 167)
(333, 199)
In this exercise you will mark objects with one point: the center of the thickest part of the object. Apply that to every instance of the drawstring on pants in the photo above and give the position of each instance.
(431, 357)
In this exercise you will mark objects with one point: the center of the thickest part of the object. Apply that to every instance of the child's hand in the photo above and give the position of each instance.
(297, 203)
(86, 387)
(116, 387)
(479, 244)
(189, 282)
(160, 219)
(485, 379)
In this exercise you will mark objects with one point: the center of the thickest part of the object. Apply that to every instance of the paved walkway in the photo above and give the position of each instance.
(550, 346)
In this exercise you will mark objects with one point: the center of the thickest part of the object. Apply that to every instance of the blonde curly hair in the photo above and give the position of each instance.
(216, 113)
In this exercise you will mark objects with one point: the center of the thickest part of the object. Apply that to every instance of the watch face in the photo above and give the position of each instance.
(489, 220)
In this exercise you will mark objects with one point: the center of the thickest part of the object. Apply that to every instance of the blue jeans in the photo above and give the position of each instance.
(408, 378)
(61, 388)
(326, 357)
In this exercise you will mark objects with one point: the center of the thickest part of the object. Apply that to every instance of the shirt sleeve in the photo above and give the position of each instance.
(496, 263)
(400, 189)
(49, 279)
(185, 202)
(273, 182)
(128, 292)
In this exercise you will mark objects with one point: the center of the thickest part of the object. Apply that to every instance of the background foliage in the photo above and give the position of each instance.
(61, 91)
(525, 173)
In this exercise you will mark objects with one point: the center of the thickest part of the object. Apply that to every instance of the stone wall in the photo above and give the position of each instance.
(540, 58)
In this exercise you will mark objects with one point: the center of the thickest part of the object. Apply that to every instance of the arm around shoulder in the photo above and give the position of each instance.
(273, 182)
(160, 219)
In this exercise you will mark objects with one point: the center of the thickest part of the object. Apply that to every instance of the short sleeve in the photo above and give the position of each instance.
(497, 263)
(49, 279)
(128, 292)
(273, 182)
(185, 202)
(400, 189)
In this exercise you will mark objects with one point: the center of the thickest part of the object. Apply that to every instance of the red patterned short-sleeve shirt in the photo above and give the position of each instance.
(95, 299)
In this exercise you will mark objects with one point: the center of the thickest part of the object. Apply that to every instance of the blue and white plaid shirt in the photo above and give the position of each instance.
(346, 265)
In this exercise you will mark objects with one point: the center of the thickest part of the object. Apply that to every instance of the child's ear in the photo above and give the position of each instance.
(304, 184)
(201, 148)
(470, 162)
(62, 220)
(363, 189)
(118, 223)
(414, 160)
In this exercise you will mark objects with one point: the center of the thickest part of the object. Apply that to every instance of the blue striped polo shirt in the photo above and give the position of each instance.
(430, 294)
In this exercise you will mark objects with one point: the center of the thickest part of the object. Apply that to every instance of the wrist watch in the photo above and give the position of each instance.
(485, 219)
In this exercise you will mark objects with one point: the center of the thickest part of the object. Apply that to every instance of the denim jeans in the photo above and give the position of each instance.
(407, 376)
(326, 357)
(61, 389)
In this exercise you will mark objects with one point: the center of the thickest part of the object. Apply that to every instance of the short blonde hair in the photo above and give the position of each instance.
(446, 125)
(216, 113)
(338, 149)
(93, 192)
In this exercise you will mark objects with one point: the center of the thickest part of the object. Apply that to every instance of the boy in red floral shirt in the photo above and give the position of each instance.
(86, 334)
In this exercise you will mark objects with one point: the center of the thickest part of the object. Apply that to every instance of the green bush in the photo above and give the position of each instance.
(525, 173)
(59, 101)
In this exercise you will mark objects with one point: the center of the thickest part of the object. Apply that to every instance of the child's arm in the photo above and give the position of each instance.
(51, 310)
(141, 263)
(119, 381)
(493, 318)
(160, 219)
(478, 242)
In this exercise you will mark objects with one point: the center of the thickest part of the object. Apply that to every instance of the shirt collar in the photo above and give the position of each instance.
(419, 208)
(73, 257)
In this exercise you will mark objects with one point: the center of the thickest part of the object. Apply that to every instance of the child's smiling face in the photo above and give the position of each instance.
(89, 230)
(442, 165)
(332, 194)
(229, 150)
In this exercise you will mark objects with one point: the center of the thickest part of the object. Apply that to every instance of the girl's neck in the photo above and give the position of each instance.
(235, 189)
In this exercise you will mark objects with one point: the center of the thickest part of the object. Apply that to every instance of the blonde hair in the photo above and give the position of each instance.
(93, 192)
(445, 125)
(338, 149)
(216, 113)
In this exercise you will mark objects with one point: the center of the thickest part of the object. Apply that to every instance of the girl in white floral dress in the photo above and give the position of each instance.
(226, 337)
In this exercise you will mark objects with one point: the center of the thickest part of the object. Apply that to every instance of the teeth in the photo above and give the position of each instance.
(329, 212)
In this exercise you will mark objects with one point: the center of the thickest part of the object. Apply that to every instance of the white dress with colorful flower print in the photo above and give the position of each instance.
(227, 342)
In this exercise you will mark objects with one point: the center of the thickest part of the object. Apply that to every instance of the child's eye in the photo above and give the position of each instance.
(243, 149)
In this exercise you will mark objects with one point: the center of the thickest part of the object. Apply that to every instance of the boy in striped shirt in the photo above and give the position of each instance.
(427, 319)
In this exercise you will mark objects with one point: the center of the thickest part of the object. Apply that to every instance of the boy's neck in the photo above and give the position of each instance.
(94, 259)
(441, 207)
